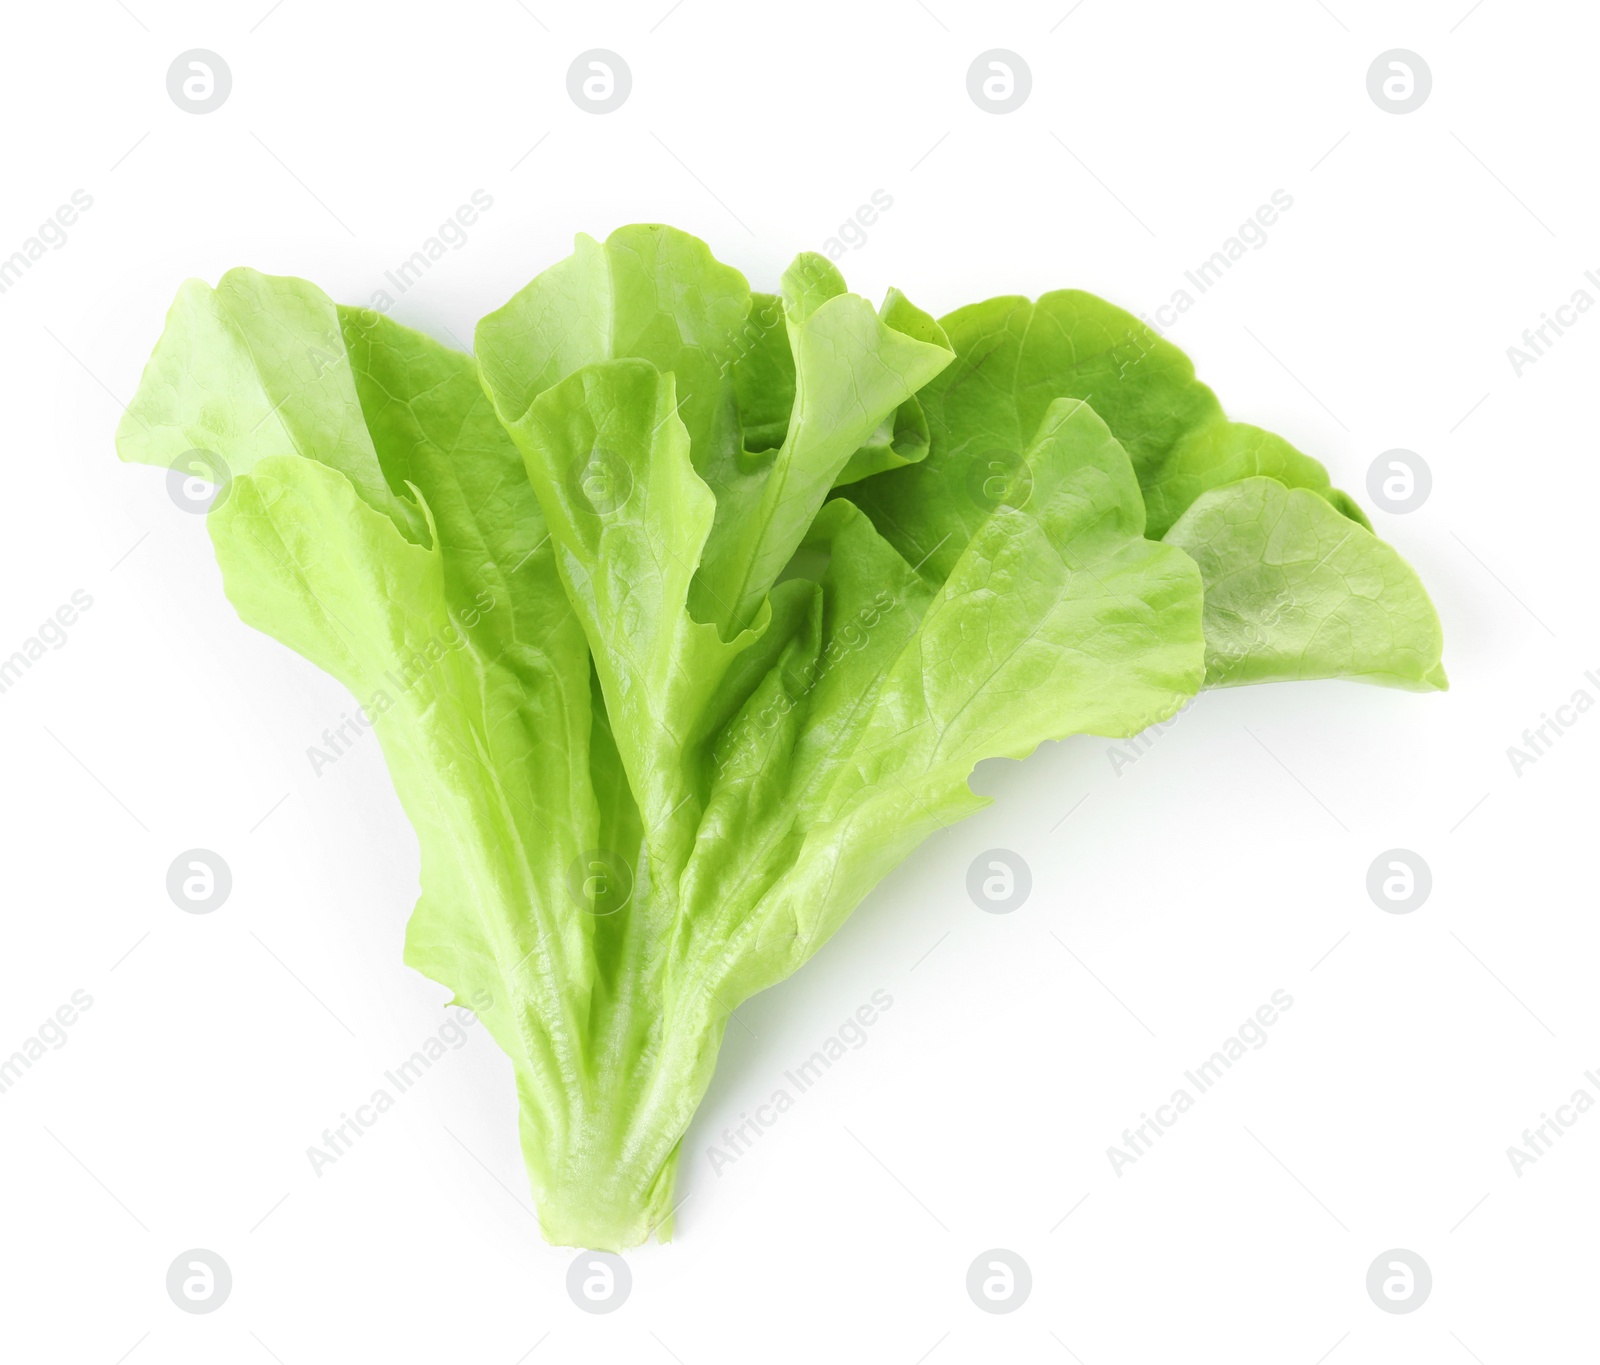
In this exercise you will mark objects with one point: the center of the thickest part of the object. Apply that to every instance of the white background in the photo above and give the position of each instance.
(1229, 862)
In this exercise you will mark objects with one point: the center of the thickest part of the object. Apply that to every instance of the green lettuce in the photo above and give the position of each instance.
(1261, 518)
(1295, 590)
(684, 613)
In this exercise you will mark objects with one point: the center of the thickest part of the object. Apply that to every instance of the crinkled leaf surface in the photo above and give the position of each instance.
(628, 546)
(1058, 618)
(656, 294)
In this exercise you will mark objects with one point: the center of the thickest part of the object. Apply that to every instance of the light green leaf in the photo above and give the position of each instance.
(853, 368)
(1058, 618)
(656, 294)
(648, 292)
(609, 460)
(466, 658)
(1293, 590)
(256, 367)
(764, 379)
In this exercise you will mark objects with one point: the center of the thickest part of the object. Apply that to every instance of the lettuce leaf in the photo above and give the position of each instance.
(1294, 590)
(683, 613)
(459, 644)
(1013, 358)
(1292, 614)
(656, 294)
